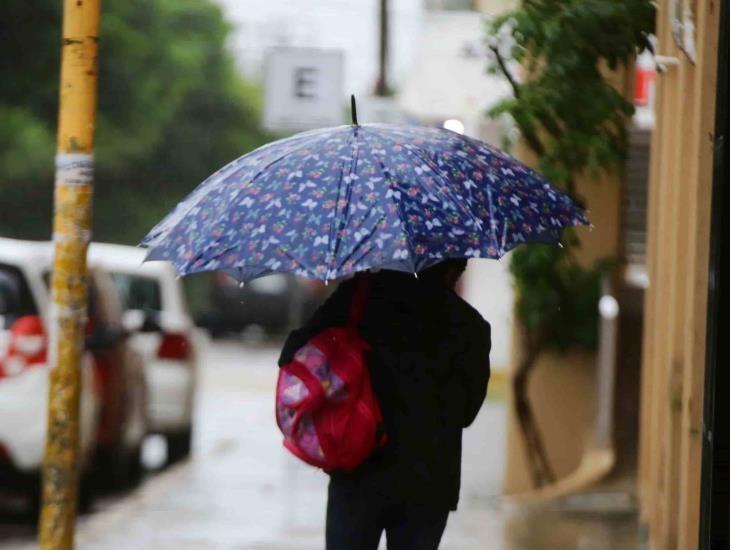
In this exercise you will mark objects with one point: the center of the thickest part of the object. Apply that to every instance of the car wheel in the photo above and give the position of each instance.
(217, 332)
(118, 469)
(85, 498)
(135, 468)
(33, 503)
(179, 445)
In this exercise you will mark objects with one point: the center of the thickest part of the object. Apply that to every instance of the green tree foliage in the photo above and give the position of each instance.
(555, 54)
(172, 109)
(560, 301)
(574, 120)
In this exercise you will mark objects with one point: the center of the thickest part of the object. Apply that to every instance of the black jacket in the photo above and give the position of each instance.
(429, 366)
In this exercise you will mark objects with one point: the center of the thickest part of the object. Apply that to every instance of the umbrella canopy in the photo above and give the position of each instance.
(331, 202)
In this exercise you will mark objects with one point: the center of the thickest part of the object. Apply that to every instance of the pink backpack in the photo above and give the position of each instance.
(325, 404)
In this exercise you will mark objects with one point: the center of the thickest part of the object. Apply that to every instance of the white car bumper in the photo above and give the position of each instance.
(24, 411)
(170, 396)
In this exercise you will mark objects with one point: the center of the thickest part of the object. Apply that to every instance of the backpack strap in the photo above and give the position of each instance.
(359, 299)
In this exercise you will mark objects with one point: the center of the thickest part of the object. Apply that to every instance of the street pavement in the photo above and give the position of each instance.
(242, 490)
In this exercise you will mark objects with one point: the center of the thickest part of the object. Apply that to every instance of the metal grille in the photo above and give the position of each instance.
(635, 197)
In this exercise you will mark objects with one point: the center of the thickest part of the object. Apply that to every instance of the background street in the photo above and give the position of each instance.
(241, 490)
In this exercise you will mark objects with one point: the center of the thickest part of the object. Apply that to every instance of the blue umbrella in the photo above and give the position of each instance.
(328, 203)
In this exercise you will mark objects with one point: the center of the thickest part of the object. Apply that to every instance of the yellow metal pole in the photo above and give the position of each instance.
(71, 232)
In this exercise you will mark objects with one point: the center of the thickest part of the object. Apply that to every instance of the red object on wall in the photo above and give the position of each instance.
(643, 82)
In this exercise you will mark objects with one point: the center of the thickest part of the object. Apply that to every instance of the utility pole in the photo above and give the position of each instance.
(381, 86)
(71, 234)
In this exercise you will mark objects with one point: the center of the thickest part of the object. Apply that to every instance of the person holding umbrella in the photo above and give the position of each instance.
(429, 366)
(408, 205)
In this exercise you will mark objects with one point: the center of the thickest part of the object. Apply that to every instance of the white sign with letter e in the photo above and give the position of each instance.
(303, 89)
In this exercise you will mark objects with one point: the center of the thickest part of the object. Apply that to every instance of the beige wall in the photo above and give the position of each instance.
(562, 392)
(494, 7)
(676, 301)
(562, 388)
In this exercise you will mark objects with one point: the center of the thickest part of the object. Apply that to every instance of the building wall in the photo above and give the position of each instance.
(676, 301)
(494, 7)
(562, 389)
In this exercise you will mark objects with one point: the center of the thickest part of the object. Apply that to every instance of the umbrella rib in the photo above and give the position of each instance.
(435, 169)
(438, 174)
(332, 242)
(291, 151)
(335, 228)
(358, 246)
(281, 157)
(207, 185)
(389, 179)
(202, 189)
(295, 260)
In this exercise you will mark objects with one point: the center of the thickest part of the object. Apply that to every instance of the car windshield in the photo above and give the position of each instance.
(15, 296)
(138, 292)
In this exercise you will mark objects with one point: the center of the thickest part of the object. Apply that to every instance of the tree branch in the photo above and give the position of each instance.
(505, 71)
(532, 139)
(547, 122)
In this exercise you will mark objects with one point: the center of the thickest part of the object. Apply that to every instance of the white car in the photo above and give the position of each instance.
(24, 370)
(165, 335)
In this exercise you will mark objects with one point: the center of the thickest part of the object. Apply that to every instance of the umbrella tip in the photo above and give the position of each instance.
(353, 109)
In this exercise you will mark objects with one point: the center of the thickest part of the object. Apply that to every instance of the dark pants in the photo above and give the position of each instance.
(357, 519)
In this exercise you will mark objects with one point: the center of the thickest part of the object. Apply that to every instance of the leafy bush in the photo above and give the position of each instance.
(556, 54)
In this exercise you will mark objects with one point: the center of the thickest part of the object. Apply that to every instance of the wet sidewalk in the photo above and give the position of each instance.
(243, 491)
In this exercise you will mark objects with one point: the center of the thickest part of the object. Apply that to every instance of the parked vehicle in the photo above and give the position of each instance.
(275, 303)
(123, 423)
(163, 332)
(24, 371)
(118, 373)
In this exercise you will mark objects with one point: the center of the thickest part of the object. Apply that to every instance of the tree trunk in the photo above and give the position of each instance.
(540, 469)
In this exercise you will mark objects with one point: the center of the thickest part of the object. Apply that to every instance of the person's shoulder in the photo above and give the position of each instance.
(466, 313)
(346, 285)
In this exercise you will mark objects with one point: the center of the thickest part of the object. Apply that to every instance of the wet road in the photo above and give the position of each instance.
(242, 491)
